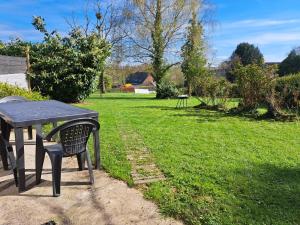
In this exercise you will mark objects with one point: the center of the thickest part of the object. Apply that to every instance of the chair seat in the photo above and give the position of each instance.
(54, 148)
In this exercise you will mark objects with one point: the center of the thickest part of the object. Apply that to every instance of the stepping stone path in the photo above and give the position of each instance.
(143, 167)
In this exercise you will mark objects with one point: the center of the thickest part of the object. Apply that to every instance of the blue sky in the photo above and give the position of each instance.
(272, 25)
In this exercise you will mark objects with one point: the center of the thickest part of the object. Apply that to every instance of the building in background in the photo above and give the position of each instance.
(12, 71)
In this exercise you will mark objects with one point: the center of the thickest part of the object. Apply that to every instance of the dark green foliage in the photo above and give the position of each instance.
(193, 53)
(166, 90)
(212, 92)
(288, 91)
(15, 47)
(244, 54)
(248, 54)
(254, 83)
(291, 64)
(66, 68)
(10, 90)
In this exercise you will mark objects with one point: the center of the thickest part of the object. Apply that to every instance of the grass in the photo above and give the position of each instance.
(220, 169)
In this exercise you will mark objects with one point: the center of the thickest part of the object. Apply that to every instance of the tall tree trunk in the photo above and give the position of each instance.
(101, 82)
(158, 45)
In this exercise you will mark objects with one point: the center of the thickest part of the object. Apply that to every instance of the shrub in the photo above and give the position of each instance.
(212, 91)
(10, 90)
(234, 91)
(253, 83)
(287, 89)
(66, 68)
(166, 90)
(291, 64)
(127, 88)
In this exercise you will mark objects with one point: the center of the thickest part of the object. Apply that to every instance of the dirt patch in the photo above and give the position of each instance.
(109, 201)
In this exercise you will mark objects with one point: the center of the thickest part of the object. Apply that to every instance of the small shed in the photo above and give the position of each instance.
(12, 71)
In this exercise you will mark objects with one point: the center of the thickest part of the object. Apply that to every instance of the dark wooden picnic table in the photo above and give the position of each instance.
(23, 114)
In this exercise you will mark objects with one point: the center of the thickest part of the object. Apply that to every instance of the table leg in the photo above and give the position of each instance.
(20, 158)
(39, 153)
(3, 152)
(96, 138)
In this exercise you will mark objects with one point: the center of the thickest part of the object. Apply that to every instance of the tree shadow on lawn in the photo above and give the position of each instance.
(269, 193)
(132, 98)
(208, 115)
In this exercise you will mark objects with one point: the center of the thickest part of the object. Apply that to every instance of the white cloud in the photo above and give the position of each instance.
(259, 23)
(7, 32)
(280, 37)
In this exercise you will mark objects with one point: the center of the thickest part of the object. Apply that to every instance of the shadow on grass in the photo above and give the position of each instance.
(209, 115)
(270, 193)
(132, 97)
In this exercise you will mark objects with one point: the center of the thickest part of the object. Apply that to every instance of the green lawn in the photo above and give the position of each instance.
(220, 169)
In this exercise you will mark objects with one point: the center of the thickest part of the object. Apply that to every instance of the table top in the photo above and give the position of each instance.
(22, 114)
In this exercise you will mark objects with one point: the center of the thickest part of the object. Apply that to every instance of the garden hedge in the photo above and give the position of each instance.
(288, 90)
(10, 90)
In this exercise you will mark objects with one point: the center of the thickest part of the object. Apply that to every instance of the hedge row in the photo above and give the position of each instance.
(10, 90)
(288, 90)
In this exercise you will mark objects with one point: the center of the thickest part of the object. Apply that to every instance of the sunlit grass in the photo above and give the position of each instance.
(221, 169)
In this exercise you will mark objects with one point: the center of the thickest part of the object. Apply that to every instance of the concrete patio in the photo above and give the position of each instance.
(109, 201)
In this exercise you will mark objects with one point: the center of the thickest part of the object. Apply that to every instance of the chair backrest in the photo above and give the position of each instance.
(13, 99)
(74, 135)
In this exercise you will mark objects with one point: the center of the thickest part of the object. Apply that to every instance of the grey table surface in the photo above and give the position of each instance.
(22, 114)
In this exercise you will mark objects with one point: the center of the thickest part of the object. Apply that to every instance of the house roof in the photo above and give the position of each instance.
(137, 78)
(12, 65)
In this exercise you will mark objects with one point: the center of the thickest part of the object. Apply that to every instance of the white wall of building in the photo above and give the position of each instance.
(17, 79)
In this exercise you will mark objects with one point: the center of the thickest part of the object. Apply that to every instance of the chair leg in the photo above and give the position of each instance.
(39, 162)
(3, 155)
(29, 129)
(56, 159)
(81, 161)
(12, 160)
(90, 166)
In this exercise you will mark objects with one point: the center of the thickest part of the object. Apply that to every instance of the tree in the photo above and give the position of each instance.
(15, 47)
(244, 54)
(194, 61)
(66, 68)
(153, 28)
(291, 64)
(106, 24)
(248, 54)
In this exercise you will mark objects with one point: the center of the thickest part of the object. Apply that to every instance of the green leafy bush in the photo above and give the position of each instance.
(287, 89)
(234, 91)
(166, 90)
(291, 64)
(254, 84)
(10, 90)
(212, 91)
(66, 68)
